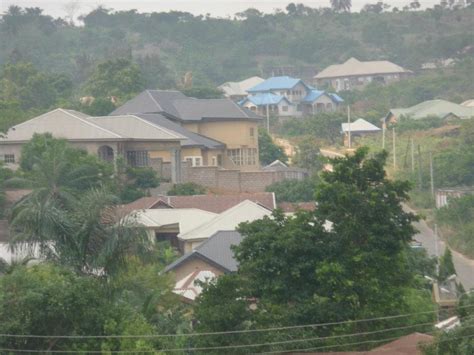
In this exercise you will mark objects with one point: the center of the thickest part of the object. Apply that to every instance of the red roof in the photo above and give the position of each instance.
(210, 203)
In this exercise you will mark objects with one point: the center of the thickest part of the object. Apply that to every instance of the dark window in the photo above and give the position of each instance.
(137, 158)
(252, 132)
(9, 158)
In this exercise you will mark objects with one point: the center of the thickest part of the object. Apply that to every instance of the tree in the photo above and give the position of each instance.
(117, 77)
(99, 107)
(268, 150)
(293, 190)
(297, 270)
(187, 189)
(341, 5)
(308, 155)
(203, 92)
(53, 302)
(446, 266)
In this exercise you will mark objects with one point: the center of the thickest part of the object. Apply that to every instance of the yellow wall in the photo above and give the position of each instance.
(234, 134)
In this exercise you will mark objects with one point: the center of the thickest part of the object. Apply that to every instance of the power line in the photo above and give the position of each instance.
(361, 343)
(316, 325)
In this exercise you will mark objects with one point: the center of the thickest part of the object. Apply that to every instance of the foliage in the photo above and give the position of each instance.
(99, 107)
(268, 150)
(294, 191)
(407, 124)
(51, 301)
(187, 189)
(458, 218)
(446, 266)
(296, 270)
(308, 155)
(118, 77)
(203, 92)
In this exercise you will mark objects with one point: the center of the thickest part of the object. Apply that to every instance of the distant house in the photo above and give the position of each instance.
(187, 228)
(359, 127)
(286, 96)
(237, 90)
(129, 136)
(209, 260)
(219, 132)
(431, 108)
(355, 74)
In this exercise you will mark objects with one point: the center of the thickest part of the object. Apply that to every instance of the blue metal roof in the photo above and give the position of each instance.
(315, 94)
(276, 83)
(264, 99)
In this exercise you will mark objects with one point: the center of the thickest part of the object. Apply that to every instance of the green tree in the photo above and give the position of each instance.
(99, 107)
(268, 150)
(52, 302)
(446, 266)
(341, 5)
(308, 155)
(118, 77)
(187, 189)
(294, 191)
(298, 270)
(204, 92)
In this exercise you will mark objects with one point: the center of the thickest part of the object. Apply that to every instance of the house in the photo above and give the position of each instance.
(431, 108)
(359, 127)
(290, 173)
(129, 136)
(443, 196)
(211, 203)
(285, 96)
(237, 90)
(230, 130)
(355, 74)
(209, 260)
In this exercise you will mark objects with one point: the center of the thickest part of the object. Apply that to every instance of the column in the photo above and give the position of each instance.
(175, 165)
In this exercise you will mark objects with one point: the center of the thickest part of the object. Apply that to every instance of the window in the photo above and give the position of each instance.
(252, 132)
(214, 161)
(235, 156)
(9, 158)
(284, 108)
(250, 156)
(329, 106)
(137, 158)
(194, 160)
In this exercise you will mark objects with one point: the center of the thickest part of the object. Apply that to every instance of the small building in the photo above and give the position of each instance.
(237, 90)
(432, 108)
(269, 104)
(443, 196)
(355, 74)
(358, 128)
(210, 260)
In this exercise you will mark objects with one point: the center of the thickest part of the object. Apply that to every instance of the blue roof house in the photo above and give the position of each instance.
(287, 96)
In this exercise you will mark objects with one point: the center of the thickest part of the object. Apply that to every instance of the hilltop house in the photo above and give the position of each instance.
(432, 108)
(237, 90)
(219, 132)
(126, 135)
(291, 97)
(355, 74)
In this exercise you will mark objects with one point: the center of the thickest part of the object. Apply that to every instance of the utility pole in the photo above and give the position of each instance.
(268, 119)
(431, 175)
(394, 150)
(412, 156)
(436, 247)
(420, 177)
(383, 134)
(349, 124)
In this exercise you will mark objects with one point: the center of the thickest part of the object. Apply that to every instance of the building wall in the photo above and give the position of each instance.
(360, 81)
(194, 264)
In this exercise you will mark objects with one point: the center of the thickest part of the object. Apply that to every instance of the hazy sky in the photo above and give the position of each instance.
(221, 8)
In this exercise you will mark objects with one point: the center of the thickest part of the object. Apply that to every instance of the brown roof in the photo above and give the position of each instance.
(210, 203)
(290, 207)
(407, 345)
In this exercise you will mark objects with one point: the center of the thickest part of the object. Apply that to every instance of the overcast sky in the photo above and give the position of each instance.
(220, 8)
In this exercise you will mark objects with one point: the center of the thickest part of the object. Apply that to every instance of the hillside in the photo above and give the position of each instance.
(167, 45)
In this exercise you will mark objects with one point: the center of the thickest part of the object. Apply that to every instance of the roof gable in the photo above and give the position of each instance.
(239, 88)
(359, 125)
(263, 99)
(245, 211)
(440, 108)
(60, 123)
(277, 83)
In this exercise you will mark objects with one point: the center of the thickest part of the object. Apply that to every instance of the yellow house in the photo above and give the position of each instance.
(219, 132)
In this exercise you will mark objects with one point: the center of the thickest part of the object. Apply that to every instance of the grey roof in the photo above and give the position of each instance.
(216, 250)
(439, 108)
(192, 139)
(360, 125)
(175, 105)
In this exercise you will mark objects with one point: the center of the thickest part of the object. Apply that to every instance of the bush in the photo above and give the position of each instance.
(187, 189)
(294, 191)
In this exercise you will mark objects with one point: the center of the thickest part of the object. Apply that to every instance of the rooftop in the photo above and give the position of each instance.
(359, 125)
(276, 83)
(354, 67)
(239, 88)
(263, 99)
(439, 108)
(216, 251)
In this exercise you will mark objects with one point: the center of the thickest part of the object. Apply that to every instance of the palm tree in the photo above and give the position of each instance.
(341, 5)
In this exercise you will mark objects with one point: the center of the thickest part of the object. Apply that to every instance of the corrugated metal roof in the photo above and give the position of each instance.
(359, 125)
(276, 83)
(263, 99)
(246, 211)
(354, 67)
(439, 108)
(239, 88)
